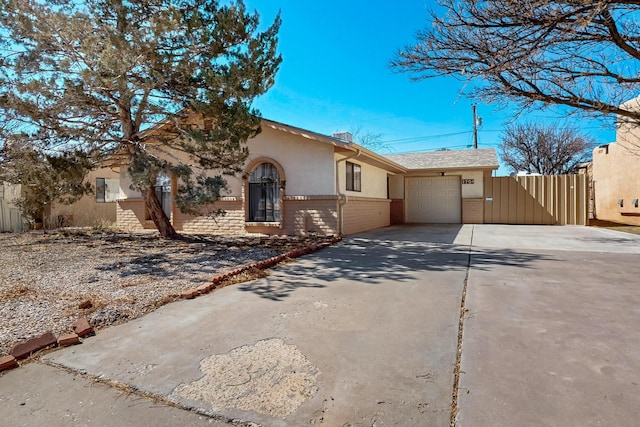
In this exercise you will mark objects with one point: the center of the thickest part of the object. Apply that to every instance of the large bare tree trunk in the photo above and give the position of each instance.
(158, 216)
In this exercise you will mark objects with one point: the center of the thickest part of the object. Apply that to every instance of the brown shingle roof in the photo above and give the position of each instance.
(483, 158)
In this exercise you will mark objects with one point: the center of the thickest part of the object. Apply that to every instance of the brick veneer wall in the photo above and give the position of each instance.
(300, 215)
(397, 211)
(472, 211)
(363, 214)
(130, 214)
(304, 214)
(231, 222)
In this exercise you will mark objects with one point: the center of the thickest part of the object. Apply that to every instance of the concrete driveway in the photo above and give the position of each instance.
(552, 333)
(366, 333)
(362, 333)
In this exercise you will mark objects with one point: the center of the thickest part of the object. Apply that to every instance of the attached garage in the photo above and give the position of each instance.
(433, 200)
(441, 187)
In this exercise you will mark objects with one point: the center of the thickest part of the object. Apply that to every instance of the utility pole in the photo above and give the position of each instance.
(475, 127)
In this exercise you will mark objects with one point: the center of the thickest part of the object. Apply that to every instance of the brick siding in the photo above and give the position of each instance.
(363, 214)
(397, 211)
(305, 214)
(472, 211)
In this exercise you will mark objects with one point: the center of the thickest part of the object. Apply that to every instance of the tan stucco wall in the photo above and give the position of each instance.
(616, 176)
(308, 165)
(374, 179)
(396, 187)
(309, 197)
(86, 212)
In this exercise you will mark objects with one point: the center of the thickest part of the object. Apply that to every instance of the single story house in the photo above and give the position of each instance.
(296, 181)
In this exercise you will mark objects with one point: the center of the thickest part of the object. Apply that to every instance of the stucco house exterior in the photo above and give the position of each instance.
(296, 182)
(616, 175)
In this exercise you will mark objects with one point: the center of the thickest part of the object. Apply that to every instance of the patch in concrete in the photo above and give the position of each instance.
(269, 377)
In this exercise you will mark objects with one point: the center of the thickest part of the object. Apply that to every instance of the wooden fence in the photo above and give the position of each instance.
(557, 199)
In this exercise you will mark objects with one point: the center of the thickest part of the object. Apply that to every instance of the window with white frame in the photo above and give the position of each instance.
(107, 190)
(163, 192)
(264, 194)
(354, 177)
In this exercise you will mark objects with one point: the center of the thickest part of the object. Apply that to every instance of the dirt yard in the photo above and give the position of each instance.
(46, 276)
(634, 229)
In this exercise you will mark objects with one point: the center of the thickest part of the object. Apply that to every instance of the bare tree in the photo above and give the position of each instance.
(544, 149)
(575, 53)
(370, 140)
(89, 80)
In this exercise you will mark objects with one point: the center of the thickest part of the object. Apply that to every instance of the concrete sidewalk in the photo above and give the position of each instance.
(363, 333)
(551, 340)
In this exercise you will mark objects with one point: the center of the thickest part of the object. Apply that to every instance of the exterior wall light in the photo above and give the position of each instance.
(634, 203)
(620, 202)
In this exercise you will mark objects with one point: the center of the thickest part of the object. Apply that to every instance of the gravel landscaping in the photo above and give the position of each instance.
(46, 276)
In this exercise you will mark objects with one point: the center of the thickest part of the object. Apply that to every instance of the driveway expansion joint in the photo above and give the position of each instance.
(463, 311)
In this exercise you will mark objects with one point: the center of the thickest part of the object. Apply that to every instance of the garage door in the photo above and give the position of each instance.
(434, 200)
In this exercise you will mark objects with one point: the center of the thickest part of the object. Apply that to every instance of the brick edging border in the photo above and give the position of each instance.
(26, 349)
(259, 265)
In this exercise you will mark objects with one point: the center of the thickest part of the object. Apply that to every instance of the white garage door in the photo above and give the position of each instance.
(434, 200)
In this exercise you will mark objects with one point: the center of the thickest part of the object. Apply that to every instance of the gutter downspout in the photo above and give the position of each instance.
(342, 197)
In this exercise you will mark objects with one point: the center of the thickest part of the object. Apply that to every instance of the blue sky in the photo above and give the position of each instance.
(335, 76)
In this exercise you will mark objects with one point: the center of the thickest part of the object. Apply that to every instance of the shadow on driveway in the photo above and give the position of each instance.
(391, 254)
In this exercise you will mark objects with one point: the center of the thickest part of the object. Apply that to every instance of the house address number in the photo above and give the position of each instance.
(467, 181)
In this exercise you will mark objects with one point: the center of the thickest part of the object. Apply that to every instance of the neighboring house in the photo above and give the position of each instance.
(10, 217)
(616, 173)
(296, 182)
(616, 179)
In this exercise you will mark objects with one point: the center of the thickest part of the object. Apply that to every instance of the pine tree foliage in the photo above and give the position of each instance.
(118, 80)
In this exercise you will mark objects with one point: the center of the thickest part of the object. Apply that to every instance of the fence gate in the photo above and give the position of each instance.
(556, 199)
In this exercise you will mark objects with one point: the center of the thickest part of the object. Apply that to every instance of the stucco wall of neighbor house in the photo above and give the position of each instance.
(86, 212)
(364, 214)
(616, 176)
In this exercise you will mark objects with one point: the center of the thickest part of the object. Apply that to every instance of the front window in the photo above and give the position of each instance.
(107, 190)
(353, 177)
(163, 192)
(264, 194)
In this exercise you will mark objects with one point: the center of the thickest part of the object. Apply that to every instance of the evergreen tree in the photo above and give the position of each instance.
(93, 81)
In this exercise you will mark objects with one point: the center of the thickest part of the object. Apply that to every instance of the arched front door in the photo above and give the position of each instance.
(264, 194)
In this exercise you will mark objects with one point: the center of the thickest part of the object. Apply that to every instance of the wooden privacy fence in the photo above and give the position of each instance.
(557, 199)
